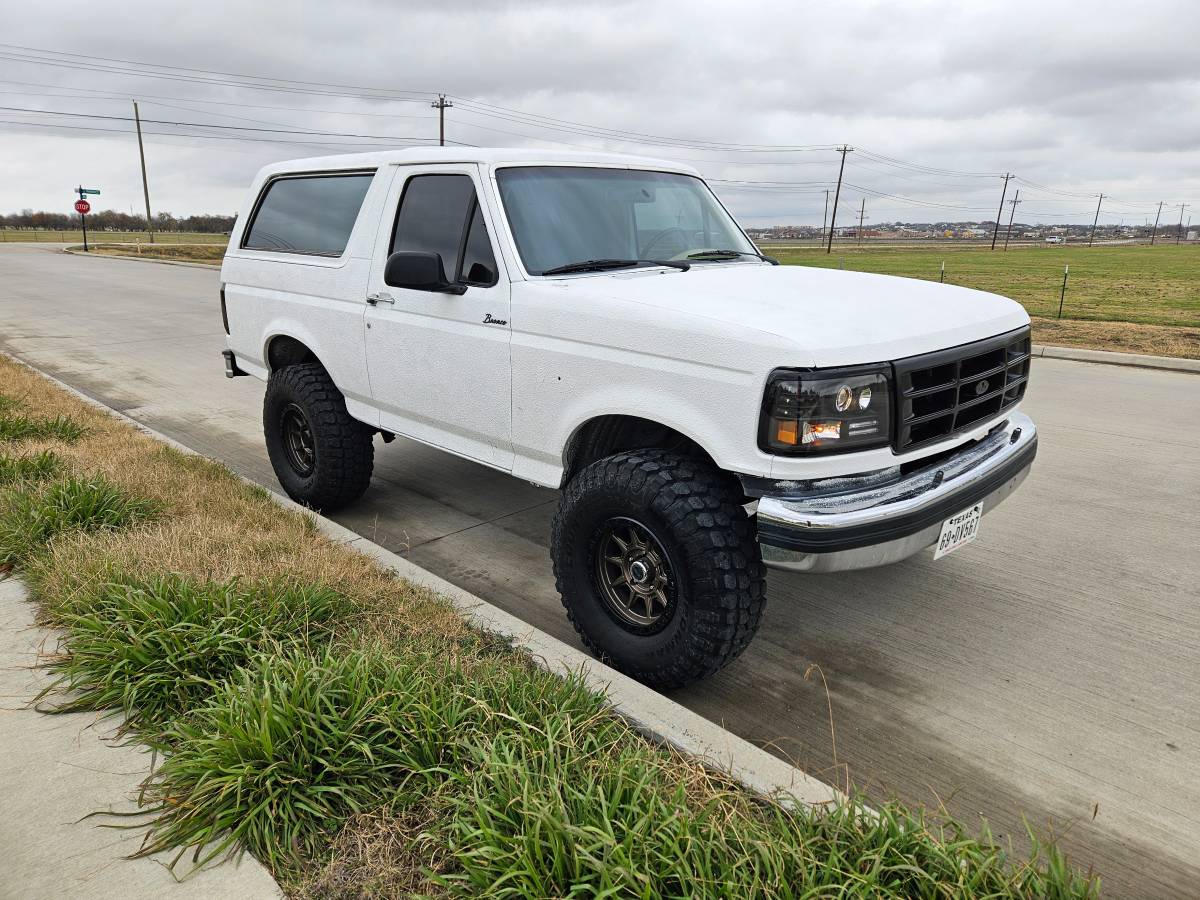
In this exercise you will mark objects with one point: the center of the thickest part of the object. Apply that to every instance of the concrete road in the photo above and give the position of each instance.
(1051, 669)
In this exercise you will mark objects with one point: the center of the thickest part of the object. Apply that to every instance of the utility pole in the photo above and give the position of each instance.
(1014, 201)
(1092, 236)
(861, 212)
(1156, 217)
(441, 105)
(836, 194)
(1000, 211)
(1179, 233)
(145, 185)
(825, 216)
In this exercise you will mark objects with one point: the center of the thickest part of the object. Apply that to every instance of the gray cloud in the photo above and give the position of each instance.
(1082, 99)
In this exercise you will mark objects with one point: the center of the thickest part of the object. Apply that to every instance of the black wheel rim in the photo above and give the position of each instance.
(634, 575)
(298, 442)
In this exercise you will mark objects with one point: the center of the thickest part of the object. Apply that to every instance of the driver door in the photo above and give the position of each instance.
(439, 363)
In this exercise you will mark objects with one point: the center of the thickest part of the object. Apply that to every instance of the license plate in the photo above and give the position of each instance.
(959, 530)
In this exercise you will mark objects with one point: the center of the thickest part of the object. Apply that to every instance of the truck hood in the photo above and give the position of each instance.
(833, 317)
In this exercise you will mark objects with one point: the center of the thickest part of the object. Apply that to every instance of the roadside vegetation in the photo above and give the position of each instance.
(67, 235)
(211, 253)
(1157, 285)
(354, 734)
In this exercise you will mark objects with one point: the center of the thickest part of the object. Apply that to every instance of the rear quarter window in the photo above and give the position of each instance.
(310, 214)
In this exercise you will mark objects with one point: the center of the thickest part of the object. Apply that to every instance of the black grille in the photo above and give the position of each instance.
(940, 394)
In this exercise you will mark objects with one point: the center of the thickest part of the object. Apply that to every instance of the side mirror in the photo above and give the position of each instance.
(419, 271)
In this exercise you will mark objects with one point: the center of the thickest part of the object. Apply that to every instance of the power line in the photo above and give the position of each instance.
(378, 137)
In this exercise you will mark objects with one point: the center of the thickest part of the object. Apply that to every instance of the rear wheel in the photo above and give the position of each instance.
(322, 456)
(658, 565)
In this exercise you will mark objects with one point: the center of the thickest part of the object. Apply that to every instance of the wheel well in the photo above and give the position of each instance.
(605, 435)
(287, 351)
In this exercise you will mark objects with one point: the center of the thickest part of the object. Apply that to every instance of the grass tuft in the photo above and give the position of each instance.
(19, 427)
(31, 516)
(292, 746)
(155, 650)
(21, 470)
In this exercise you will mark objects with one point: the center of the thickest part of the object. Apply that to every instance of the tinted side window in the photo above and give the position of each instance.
(433, 214)
(309, 214)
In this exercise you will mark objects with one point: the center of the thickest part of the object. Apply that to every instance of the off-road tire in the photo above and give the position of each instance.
(343, 450)
(695, 512)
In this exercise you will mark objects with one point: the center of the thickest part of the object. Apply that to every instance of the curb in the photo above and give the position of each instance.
(160, 262)
(1113, 358)
(656, 717)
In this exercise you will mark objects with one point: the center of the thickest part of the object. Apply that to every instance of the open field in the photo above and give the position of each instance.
(1157, 285)
(54, 236)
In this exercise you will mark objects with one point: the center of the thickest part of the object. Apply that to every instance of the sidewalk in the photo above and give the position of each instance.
(54, 770)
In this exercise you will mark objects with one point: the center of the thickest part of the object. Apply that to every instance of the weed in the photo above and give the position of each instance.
(31, 516)
(19, 427)
(154, 650)
(25, 469)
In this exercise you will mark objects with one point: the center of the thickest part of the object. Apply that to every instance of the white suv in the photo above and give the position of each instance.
(601, 325)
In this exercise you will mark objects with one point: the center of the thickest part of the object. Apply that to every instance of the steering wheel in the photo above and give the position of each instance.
(674, 229)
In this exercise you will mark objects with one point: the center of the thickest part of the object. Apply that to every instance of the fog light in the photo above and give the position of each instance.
(864, 398)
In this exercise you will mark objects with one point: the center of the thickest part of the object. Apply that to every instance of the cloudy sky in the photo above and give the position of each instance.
(938, 99)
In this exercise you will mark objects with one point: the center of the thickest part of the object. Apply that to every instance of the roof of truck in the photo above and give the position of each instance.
(483, 155)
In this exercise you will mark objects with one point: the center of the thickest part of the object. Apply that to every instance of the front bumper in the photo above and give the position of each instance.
(859, 522)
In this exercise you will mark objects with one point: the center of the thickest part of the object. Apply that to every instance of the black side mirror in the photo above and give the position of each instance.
(419, 271)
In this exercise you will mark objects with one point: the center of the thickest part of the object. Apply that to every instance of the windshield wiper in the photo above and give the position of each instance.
(599, 265)
(730, 254)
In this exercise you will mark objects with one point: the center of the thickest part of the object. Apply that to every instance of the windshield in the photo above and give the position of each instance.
(564, 215)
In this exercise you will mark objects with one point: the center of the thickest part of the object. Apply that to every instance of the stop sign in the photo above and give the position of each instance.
(82, 207)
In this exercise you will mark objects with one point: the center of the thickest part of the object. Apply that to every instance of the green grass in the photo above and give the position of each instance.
(1157, 285)
(15, 426)
(31, 516)
(154, 650)
(26, 469)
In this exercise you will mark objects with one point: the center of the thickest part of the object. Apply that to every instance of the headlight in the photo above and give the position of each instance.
(826, 410)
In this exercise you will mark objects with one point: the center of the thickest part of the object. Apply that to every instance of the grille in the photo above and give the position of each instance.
(940, 394)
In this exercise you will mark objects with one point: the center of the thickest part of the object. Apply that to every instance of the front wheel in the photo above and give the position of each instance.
(658, 566)
(322, 455)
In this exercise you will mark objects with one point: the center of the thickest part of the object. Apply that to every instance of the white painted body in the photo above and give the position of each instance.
(690, 350)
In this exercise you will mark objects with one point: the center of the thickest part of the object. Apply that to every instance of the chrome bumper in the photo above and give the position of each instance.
(883, 517)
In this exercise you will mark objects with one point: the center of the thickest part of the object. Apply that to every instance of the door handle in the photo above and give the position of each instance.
(380, 298)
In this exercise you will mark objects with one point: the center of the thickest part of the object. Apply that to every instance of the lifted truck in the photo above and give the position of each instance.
(601, 325)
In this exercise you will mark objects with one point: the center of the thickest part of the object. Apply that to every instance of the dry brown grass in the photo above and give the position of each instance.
(1123, 337)
(210, 254)
(215, 526)
(379, 855)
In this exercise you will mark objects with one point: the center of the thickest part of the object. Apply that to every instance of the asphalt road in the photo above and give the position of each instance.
(1051, 669)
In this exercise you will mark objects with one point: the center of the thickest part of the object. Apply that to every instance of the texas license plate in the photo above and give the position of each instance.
(959, 530)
